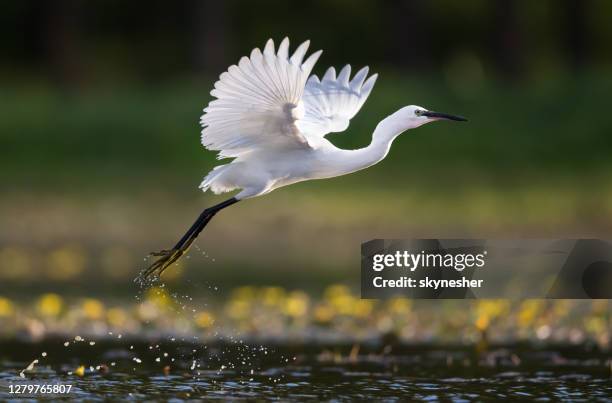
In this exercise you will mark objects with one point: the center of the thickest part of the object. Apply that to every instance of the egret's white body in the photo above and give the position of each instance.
(271, 116)
(260, 172)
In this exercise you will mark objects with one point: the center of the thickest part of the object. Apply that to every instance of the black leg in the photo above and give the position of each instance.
(167, 257)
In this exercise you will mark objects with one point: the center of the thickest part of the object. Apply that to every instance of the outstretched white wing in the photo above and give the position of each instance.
(331, 102)
(258, 102)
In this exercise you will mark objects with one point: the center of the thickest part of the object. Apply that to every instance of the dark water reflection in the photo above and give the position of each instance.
(180, 370)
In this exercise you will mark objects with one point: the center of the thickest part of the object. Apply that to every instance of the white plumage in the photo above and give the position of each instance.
(269, 103)
(271, 116)
(258, 101)
(332, 102)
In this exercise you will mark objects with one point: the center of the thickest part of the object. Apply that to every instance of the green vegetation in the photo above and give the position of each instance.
(544, 132)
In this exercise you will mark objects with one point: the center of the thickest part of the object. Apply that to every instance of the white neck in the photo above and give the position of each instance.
(382, 138)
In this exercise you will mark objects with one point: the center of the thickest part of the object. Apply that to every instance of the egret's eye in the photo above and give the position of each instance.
(418, 112)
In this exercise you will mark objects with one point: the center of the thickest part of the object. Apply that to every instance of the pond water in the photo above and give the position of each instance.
(183, 370)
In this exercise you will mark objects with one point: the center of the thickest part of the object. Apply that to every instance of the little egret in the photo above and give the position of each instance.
(271, 116)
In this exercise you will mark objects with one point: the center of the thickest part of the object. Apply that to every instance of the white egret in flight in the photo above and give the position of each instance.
(271, 116)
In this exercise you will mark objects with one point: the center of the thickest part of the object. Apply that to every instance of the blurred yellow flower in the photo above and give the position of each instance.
(49, 305)
(272, 296)
(340, 298)
(116, 317)
(488, 309)
(296, 304)
(363, 308)
(399, 306)
(6, 307)
(492, 308)
(323, 313)
(80, 371)
(482, 322)
(66, 262)
(204, 319)
(238, 308)
(595, 325)
(336, 290)
(159, 297)
(561, 307)
(93, 309)
(343, 303)
(529, 311)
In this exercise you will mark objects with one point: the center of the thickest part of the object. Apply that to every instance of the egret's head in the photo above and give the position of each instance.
(414, 116)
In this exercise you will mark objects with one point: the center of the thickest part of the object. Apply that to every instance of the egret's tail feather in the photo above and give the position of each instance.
(216, 182)
(167, 257)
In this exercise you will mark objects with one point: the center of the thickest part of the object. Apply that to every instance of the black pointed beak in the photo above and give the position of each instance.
(445, 116)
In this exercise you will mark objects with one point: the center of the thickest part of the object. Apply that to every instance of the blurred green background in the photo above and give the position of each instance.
(101, 157)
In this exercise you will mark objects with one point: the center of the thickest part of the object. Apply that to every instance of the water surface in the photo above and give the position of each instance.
(171, 368)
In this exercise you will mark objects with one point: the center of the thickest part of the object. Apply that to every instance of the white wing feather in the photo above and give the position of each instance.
(331, 102)
(258, 102)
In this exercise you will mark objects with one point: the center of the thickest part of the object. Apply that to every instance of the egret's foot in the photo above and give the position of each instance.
(166, 257)
(155, 270)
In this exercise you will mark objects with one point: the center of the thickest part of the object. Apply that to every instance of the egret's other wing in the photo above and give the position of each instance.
(258, 101)
(331, 102)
